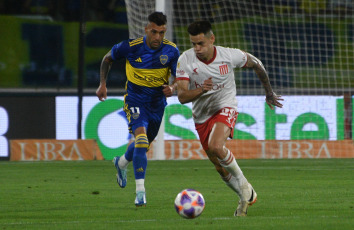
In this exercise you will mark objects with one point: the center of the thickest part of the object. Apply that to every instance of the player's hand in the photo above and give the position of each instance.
(101, 92)
(274, 100)
(168, 90)
(207, 85)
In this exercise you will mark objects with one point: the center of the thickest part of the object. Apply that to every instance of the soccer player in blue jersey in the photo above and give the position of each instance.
(150, 61)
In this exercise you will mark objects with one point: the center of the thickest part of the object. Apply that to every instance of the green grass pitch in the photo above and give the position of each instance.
(292, 194)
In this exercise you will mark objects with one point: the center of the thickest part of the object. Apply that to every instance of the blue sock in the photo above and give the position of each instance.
(129, 153)
(139, 158)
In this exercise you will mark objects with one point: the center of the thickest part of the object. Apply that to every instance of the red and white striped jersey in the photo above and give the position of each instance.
(220, 68)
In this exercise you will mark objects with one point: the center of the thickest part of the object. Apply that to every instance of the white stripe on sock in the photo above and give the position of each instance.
(229, 163)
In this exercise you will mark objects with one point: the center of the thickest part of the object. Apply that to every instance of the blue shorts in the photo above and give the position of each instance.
(144, 115)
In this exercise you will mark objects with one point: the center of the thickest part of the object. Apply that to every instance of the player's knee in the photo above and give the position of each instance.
(216, 148)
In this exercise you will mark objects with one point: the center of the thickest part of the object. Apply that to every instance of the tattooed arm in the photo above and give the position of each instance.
(257, 66)
(106, 64)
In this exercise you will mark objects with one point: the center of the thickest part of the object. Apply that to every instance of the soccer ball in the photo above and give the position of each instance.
(189, 203)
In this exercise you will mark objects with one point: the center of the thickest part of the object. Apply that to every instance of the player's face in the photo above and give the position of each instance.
(203, 46)
(154, 35)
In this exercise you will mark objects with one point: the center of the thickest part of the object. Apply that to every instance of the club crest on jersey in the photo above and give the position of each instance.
(135, 116)
(223, 69)
(163, 59)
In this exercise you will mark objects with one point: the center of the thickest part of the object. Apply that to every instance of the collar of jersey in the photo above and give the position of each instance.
(211, 60)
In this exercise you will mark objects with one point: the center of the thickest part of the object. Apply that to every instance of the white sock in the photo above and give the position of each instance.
(140, 185)
(232, 183)
(123, 163)
(229, 163)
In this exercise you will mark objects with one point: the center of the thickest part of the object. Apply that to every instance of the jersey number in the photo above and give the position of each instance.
(231, 115)
(228, 112)
(135, 110)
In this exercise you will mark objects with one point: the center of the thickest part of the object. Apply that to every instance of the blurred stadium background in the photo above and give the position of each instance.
(50, 54)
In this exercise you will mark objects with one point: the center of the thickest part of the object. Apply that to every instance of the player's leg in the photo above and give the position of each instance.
(124, 160)
(204, 131)
(136, 151)
(217, 150)
(213, 134)
(227, 177)
(216, 145)
(140, 164)
(121, 162)
(143, 137)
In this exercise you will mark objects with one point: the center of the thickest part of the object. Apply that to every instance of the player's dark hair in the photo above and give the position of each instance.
(158, 18)
(199, 27)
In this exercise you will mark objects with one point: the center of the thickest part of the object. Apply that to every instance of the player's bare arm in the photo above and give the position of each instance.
(185, 95)
(271, 97)
(106, 64)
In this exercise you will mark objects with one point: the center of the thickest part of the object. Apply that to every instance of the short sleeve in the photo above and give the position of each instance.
(181, 72)
(238, 58)
(120, 50)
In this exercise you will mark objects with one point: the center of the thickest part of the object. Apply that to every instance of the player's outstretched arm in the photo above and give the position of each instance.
(271, 97)
(106, 64)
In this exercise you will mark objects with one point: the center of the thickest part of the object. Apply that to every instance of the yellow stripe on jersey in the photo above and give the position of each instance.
(167, 42)
(126, 109)
(147, 77)
(136, 41)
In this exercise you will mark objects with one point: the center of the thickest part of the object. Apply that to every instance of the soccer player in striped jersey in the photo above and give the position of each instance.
(150, 61)
(205, 77)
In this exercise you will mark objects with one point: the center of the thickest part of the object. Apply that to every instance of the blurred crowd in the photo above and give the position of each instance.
(67, 10)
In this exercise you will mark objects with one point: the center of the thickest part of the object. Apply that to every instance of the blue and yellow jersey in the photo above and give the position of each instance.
(147, 69)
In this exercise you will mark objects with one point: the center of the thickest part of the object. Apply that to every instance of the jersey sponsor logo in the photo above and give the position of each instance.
(163, 59)
(195, 70)
(223, 69)
(215, 86)
(180, 72)
(138, 60)
(149, 78)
